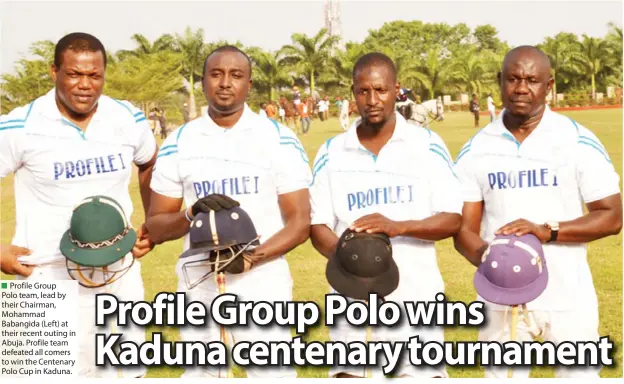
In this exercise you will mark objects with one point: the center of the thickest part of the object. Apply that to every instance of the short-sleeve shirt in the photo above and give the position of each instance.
(549, 176)
(57, 165)
(253, 162)
(411, 179)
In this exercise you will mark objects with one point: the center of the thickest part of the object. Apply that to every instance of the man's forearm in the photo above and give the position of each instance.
(470, 245)
(167, 226)
(323, 239)
(145, 178)
(436, 227)
(593, 226)
(294, 233)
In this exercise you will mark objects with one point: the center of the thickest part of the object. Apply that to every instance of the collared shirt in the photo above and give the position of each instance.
(253, 162)
(57, 165)
(549, 176)
(410, 179)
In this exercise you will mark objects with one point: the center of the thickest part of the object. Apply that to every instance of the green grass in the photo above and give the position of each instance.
(307, 266)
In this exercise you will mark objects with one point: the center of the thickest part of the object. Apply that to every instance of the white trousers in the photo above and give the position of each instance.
(270, 283)
(552, 326)
(344, 121)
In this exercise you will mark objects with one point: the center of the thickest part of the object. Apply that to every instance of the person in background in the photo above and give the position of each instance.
(270, 110)
(303, 109)
(491, 107)
(185, 114)
(474, 109)
(344, 114)
(262, 111)
(296, 95)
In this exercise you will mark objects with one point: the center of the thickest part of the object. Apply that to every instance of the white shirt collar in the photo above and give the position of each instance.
(240, 124)
(400, 133)
(498, 126)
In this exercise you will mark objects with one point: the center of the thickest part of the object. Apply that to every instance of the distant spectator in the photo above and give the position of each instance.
(344, 114)
(163, 123)
(262, 111)
(185, 113)
(270, 110)
(491, 107)
(296, 95)
(303, 110)
(474, 108)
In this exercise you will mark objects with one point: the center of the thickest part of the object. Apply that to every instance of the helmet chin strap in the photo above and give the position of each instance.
(88, 282)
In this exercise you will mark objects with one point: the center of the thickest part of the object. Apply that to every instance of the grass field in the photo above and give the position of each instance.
(307, 266)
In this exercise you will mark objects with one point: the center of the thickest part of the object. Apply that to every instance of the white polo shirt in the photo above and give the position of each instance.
(490, 104)
(56, 165)
(253, 162)
(410, 179)
(558, 168)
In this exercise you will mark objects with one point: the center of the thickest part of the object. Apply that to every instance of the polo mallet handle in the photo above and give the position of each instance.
(368, 373)
(220, 277)
(512, 332)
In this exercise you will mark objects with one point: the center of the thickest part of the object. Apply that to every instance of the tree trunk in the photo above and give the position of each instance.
(191, 106)
(312, 82)
(593, 78)
(272, 93)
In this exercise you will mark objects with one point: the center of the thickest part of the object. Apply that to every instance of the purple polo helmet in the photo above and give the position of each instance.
(512, 271)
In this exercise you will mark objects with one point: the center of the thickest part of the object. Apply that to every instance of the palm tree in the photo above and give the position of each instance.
(309, 54)
(267, 72)
(470, 70)
(339, 72)
(431, 73)
(595, 54)
(193, 49)
(144, 47)
(559, 50)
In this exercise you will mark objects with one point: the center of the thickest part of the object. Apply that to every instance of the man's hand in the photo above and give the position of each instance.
(214, 202)
(8, 260)
(143, 244)
(522, 227)
(377, 223)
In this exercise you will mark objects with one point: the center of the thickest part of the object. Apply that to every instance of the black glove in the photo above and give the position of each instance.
(214, 202)
(228, 262)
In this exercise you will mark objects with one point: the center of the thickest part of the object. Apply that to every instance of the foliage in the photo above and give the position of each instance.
(433, 59)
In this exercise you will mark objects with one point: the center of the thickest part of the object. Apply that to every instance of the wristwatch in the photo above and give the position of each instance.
(554, 230)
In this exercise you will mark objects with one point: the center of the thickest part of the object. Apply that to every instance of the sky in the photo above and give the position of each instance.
(269, 24)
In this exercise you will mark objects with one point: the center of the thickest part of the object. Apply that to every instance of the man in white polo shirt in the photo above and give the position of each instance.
(533, 171)
(72, 143)
(491, 107)
(385, 176)
(228, 157)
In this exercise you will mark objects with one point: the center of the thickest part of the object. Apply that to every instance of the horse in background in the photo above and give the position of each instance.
(422, 114)
(290, 112)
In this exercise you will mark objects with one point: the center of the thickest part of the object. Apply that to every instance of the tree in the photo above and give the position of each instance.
(267, 72)
(309, 54)
(144, 47)
(561, 51)
(31, 79)
(595, 54)
(146, 80)
(193, 52)
(486, 38)
(339, 73)
(471, 70)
